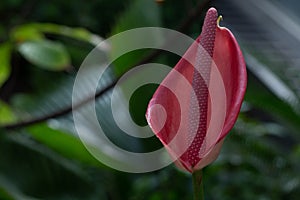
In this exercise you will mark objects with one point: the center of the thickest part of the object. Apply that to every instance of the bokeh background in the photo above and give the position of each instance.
(42, 45)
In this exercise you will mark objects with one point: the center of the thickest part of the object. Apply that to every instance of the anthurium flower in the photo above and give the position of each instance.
(199, 117)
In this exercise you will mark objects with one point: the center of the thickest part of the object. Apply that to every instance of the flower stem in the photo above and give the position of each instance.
(198, 185)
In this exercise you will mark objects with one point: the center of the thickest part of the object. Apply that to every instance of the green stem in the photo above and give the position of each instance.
(198, 185)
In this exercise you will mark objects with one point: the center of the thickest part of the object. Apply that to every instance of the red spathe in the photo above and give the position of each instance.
(200, 98)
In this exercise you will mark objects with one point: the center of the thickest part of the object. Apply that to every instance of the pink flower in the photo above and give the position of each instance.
(192, 115)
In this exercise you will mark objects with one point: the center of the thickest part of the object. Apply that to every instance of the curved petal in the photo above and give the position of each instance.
(230, 62)
(211, 156)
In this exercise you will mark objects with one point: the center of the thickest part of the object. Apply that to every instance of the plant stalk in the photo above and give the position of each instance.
(198, 185)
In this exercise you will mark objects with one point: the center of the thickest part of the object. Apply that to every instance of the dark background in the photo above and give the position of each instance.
(43, 158)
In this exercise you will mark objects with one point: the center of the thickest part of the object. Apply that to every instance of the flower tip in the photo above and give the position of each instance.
(212, 12)
(210, 21)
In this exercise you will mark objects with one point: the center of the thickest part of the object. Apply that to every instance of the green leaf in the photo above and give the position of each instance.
(147, 13)
(25, 164)
(46, 54)
(6, 114)
(65, 144)
(5, 55)
(8, 191)
(75, 33)
(36, 31)
(260, 97)
(25, 32)
(5, 195)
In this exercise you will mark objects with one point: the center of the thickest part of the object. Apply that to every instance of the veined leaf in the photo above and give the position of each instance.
(46, 54)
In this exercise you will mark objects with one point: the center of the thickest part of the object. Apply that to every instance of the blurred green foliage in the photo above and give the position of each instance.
(42, 46)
